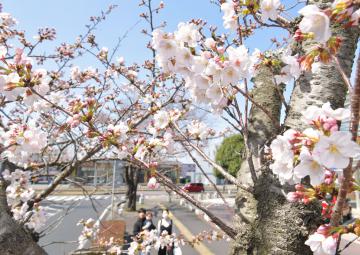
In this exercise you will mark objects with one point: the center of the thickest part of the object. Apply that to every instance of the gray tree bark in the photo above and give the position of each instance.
(14, 239)
(267, 210)
(276, 226)
(325, 84)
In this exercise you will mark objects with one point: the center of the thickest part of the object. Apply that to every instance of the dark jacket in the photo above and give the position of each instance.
(138, 226)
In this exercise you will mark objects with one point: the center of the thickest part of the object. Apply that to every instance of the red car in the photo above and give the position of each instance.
(194, 187)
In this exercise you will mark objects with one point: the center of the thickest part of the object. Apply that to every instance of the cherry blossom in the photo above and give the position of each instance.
(290, 71)
(187, 33)
(198, 129)
(309, 166)
(18, 193)
(315, 21)
(162, 119)
(9, 86)
(283, 158)
(334, 151)
(153, 184)
(3, 51)
(210, 43)
(89, 232)
(241, 59)
(7, 19)
(321, 243)
(230, 19)
(23, 141)
(38, 218)
(338, 114)
(269, 9)
(315, 150)
(315, 113)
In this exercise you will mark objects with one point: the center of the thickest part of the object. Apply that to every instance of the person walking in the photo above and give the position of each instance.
(139, 223)
(165, 227)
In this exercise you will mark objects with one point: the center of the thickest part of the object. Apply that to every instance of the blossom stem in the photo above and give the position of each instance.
(224, 227)
(347, 172)
(343, 75)
(228, 176)
(208, 178)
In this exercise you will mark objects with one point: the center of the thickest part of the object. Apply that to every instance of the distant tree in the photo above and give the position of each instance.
(230, 155)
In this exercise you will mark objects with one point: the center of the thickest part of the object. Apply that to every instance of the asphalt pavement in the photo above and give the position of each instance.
(64, 215)
(196, 225)
(65, 212)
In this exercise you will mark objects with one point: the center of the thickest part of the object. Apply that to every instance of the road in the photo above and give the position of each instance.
(67, 231)
(77, 207)
(196, 225)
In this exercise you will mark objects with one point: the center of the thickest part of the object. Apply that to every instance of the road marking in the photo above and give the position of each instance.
(199, 247)
(69, 198)
(75, 198)
(50, 212)
(55, 198)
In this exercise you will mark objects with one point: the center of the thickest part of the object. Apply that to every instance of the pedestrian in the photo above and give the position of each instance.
(139, 222)
(148, 223)
(165, 228)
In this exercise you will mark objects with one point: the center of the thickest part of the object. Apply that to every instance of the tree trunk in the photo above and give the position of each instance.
(326, 83)
(131, 179)
(274, 225)
(14, 239)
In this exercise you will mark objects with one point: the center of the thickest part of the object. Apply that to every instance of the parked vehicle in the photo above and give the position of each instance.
(194, 187)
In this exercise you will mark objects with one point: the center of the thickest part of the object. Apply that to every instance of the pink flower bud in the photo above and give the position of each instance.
(299, 187)
(298, 36)
(207, 54)
(221, 50)
(329, 177)
(330, 124)
(153, 164)
(323, 230)
(153, 184)
(294, 197)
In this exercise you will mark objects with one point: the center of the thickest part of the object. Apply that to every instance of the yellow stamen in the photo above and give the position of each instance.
(333, 149)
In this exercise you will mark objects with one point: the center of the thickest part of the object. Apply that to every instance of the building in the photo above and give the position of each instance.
(101, 172)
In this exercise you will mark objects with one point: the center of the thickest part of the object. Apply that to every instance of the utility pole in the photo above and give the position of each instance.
(113, 190)
(95, 174)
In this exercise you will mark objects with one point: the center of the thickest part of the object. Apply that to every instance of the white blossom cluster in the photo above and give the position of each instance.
(89, 232)
(290, 71)
(151, 239)
(7, 20)
(12, 85)
(83, 76)
(22, 141)
(209, 74)
(199, 130)
(315, 150)
(18, 193)
(321, 244)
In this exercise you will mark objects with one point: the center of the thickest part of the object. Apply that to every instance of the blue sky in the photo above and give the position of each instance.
(70, 16)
